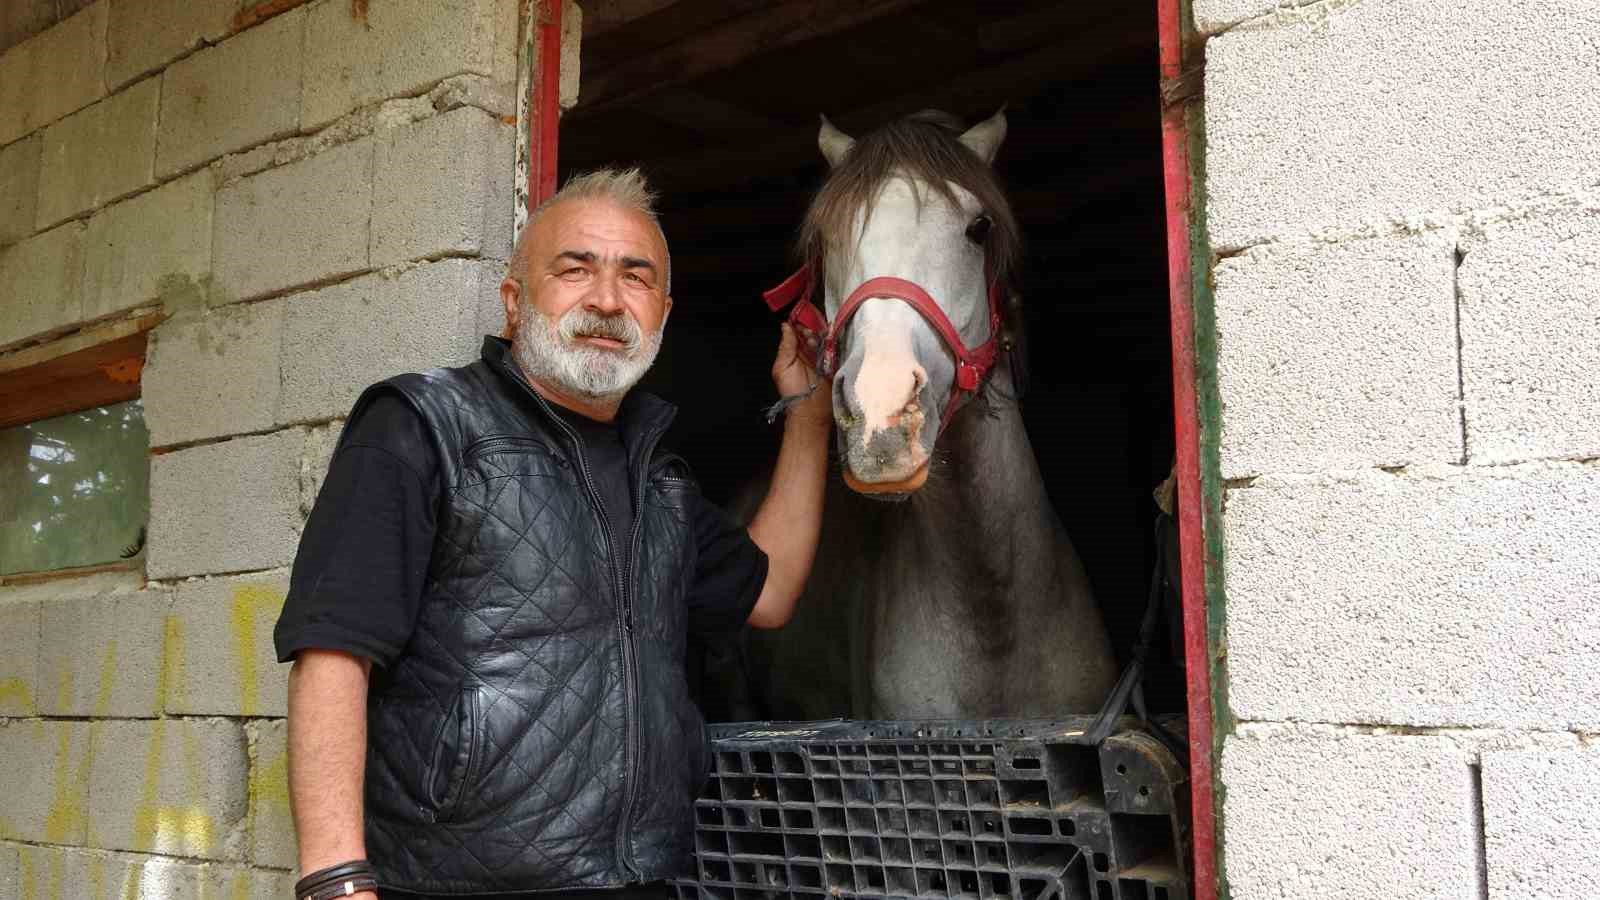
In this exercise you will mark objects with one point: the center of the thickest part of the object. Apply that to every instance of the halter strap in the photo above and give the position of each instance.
(819, 338)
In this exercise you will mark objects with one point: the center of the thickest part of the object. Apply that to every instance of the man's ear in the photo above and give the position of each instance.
(511, 298)
(666, 310)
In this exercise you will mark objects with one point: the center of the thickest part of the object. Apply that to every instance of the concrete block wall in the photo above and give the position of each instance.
(316, 195)
(1403, 206)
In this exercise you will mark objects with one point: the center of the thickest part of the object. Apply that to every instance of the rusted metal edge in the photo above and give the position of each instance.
(1179, 85)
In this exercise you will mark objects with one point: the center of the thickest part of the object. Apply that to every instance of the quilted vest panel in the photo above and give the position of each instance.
(538, 732)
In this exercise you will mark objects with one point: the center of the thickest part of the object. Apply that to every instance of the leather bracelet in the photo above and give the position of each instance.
(341, 880)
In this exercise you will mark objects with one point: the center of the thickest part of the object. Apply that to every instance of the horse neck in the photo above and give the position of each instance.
(985, 511)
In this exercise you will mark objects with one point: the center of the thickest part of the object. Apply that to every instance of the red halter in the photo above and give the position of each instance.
(815, 333)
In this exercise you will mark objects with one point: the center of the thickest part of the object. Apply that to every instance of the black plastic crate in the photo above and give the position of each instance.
(1003, 809)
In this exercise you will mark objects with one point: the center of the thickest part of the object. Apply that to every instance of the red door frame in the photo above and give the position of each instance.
(544, 123)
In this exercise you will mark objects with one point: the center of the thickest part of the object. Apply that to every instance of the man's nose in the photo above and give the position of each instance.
(606, 298)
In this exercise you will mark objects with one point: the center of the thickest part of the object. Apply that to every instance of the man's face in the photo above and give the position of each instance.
(588, 320)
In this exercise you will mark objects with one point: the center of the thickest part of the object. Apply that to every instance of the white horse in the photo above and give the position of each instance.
(965, 599)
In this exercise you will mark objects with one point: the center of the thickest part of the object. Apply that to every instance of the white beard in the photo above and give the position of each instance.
(548, 351)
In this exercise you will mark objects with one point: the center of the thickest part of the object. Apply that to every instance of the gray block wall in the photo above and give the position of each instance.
(315, 201)
(1403, 202)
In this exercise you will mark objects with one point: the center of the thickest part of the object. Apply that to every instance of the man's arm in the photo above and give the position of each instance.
(786, 525)
(327, 757)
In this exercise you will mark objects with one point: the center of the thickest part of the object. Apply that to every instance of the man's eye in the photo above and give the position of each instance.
(635, 277)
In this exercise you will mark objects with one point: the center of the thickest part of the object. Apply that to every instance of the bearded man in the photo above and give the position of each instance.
(489, 608)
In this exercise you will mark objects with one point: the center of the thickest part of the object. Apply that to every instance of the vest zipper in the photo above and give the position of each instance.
(622, 584)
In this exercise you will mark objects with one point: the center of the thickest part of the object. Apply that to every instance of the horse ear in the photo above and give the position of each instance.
(984, 138)
(834, 143)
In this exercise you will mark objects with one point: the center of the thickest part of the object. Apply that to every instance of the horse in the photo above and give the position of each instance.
(944, 585)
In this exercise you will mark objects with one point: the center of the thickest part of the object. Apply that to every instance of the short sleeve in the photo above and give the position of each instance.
(359, 571)
(730, 570)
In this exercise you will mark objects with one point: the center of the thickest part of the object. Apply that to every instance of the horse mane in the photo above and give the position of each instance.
(926, 147)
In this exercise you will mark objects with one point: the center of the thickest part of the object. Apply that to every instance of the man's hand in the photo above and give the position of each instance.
(791, 375)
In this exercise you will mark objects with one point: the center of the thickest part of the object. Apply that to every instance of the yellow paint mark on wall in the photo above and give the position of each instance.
(97, 877)
(15, 690)
(269, 784)
(169, 677)
(164, 828)
(64, 689)
(130, 884)
(29, 890)
(251, 602)
(241, 887)
(55, 875)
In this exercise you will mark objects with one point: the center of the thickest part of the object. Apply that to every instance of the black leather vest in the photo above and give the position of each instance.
(537, 732)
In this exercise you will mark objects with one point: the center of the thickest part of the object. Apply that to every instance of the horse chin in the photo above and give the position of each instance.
(892, 491)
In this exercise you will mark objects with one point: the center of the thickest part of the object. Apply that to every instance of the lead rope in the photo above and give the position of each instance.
(783, 404)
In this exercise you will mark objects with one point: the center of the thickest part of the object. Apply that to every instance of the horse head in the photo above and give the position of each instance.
(914, 241)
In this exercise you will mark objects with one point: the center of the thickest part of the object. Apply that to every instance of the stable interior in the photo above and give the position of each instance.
(718, 101)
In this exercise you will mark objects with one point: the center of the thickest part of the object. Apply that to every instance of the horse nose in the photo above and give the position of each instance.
(881, 419)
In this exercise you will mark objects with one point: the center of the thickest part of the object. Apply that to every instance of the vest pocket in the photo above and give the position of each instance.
(457, 746)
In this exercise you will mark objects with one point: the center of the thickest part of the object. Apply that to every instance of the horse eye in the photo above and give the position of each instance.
(978, 231)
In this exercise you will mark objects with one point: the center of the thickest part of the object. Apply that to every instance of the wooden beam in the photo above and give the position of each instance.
(788, 149)
(723, 46)
(601, 16)
(94, 376)
(706, 114)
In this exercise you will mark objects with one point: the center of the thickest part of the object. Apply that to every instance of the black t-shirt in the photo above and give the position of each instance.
(363, 558)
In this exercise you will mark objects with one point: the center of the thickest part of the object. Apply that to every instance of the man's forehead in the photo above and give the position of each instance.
(602, 221)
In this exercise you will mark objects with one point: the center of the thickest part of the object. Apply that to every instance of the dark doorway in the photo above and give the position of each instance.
(718, 101)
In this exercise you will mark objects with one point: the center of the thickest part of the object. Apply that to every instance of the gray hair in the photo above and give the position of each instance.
(625, 187)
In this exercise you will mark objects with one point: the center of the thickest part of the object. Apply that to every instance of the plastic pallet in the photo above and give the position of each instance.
(1012, 809)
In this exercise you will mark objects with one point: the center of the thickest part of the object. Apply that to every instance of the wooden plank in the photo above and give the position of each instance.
(137, 321)
(602, 16)
(788, 149)
(726, 45)
(93, 376)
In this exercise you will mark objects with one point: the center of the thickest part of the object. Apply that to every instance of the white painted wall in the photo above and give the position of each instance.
(1403, 199)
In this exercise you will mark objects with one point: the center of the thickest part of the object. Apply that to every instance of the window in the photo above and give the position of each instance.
(77, 489)
(74, 451)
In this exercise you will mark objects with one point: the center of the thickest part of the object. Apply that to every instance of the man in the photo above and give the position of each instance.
(489, 607)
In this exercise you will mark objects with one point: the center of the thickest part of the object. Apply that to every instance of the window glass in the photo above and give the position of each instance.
(74, 490)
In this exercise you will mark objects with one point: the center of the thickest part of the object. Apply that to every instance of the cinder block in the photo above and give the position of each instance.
(400, 48)
(56, 72)
(44, 780)
(100, 875)
(144, 35)
(1316, 813)
(1541, 811)
(1212, 16)
(19, 188)
(241, 92)
(41, 282)
(212, 375)
(443, 185)
(226, 883)
(345, 337)
(130, 262)
(103, 655)
(99, 153)
(187, 794)
(1530, 337)
(228, 667)
(10, 870)
(1338, 356)
(300, 224)
(226, 507)
(19, 664)
(1314, 123)
(271, 825)
(1437, 596)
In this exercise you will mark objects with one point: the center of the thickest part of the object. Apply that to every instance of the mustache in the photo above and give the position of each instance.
(620, 327)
